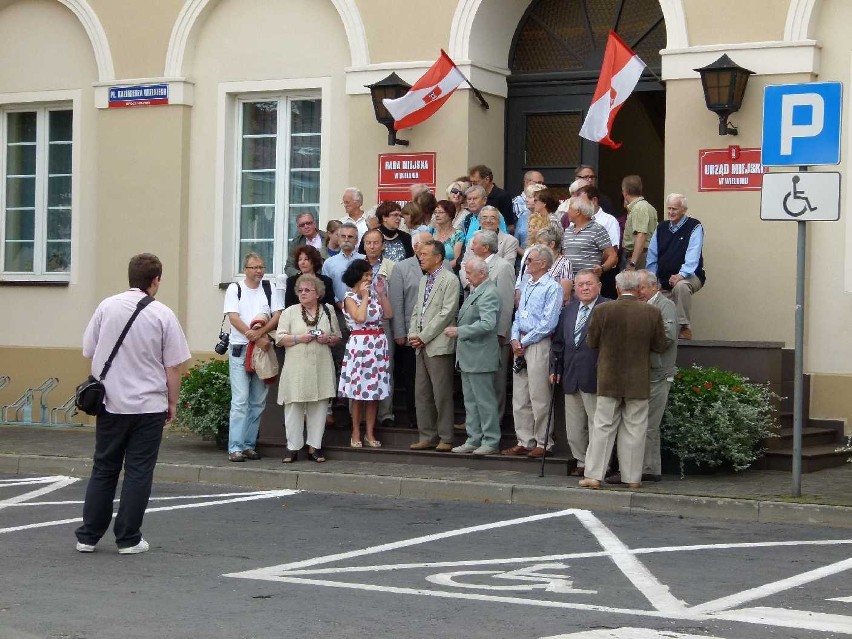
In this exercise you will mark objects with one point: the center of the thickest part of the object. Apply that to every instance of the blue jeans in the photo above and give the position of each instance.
(248, 399)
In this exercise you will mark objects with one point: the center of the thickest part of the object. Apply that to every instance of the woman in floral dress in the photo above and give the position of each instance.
(364, 377)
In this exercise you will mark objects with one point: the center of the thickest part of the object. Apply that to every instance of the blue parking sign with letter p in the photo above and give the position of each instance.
(801, 124)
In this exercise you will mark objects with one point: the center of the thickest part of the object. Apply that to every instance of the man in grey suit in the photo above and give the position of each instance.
(402, 292)
(435, 309)
(477, 359)
(308, 235)
(575, 364)
(502, 273)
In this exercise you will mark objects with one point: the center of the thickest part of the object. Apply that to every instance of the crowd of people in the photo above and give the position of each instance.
(571, 293)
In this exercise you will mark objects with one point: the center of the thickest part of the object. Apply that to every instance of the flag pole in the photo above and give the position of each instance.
(477, 94)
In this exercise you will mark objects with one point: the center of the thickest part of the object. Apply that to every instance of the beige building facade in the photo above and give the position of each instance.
(268, 115)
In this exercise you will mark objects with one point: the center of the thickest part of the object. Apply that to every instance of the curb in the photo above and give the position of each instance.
(684, 506)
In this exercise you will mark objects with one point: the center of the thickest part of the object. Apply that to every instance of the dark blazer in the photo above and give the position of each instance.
(578, 365)
(295, 242)
(477, 349)
(291, 297)
(625, 332)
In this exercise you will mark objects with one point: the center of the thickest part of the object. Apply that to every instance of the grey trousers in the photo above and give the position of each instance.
(500, 380)
(433, 384)
(480, 404)
(656, 408)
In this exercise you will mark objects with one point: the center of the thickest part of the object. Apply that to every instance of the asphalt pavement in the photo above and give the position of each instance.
(232, 563)
(752, 495)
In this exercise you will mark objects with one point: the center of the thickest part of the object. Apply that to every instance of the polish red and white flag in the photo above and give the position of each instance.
(620, 72)
(427, 95)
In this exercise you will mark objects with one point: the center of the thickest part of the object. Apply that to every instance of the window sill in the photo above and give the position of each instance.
(48, 283)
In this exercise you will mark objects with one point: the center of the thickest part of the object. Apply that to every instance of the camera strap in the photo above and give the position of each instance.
(142, 304)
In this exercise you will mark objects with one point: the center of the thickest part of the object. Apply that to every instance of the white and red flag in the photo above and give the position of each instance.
(619, 74)
(427, 95)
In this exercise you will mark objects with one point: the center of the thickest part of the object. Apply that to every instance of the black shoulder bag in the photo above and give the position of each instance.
(89, 396)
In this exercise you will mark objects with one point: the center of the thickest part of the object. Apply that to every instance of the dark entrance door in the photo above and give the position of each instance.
(555, 60)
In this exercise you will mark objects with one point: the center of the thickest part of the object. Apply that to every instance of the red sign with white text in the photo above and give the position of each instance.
(731, 169)
(401, 195)
(403, 169)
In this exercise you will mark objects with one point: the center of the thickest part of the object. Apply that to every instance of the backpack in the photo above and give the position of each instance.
(267, 289)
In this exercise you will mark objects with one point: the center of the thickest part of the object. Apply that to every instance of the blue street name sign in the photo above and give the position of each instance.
(801, 124)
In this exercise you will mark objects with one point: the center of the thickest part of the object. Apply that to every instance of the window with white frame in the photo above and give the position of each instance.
(278, 176)
(36, 194)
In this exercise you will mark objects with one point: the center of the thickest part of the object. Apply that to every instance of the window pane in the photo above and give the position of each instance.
(19, 257)
(305, 152)
(59, 224)
(21, 127)
(59, 159)
(304, 187)
(20, 192)
(59, 191)
(21, 159)
(20, 225)
(259, 153)
(306, 116)
(257, 223)
(58, 257)
(60, 126)
(260, 117)
(262, 248)
(258, 188)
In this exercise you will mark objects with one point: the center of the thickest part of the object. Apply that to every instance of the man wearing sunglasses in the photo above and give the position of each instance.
(307, 235)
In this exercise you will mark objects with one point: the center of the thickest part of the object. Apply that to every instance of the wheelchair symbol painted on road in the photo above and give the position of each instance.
(531, 577)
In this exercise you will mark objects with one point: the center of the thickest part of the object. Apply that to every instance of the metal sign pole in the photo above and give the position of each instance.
(798, 374)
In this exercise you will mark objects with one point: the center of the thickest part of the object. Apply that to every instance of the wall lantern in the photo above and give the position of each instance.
(724, 83)
(391, 88)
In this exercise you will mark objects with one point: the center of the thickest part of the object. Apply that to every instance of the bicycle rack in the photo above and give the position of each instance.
(68, 409)
(20, 412)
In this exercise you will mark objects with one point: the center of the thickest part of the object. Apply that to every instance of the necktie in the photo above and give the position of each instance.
(582, 316)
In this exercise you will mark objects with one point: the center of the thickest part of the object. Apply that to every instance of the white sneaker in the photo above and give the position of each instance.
(464, 448)
(81, 547)
(486, 450)
(142, 546)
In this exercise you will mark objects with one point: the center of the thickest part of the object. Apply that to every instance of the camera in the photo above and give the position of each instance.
(222, 347)
(315, 332)
(519, 365)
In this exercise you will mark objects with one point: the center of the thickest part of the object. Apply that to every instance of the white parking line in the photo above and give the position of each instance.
(58, 482)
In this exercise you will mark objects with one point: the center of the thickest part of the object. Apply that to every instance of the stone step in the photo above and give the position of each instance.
(811, 436)
(814, 458)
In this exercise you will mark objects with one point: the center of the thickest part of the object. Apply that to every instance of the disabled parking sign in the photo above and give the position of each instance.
(801, 124)
(800, 197)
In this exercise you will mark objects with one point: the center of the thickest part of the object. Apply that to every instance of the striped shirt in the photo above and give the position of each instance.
(584, 248)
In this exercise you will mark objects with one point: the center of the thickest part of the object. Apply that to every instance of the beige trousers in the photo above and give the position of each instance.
(531, 393)
(299, 416)
(579, 421)
(681, 295)
(630, 434)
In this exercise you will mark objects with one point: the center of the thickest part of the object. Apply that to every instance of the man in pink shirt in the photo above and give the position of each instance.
(141, 397)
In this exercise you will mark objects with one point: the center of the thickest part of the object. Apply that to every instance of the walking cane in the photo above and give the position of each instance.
(547, 430)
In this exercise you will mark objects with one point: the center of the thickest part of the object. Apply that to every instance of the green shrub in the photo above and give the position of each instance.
(204, 402)
(715, 418)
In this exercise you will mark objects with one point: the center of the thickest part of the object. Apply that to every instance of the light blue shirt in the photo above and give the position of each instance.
(693, 250)
(333, 267)
(474, 227)
(538, 310)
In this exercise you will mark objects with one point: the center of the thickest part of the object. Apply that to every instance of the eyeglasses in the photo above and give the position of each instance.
(530, 260)
(456, 192)
(301, 224)
(254, 268)
(588, 177)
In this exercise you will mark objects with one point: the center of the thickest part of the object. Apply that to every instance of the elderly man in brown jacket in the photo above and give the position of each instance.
(625, 332)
